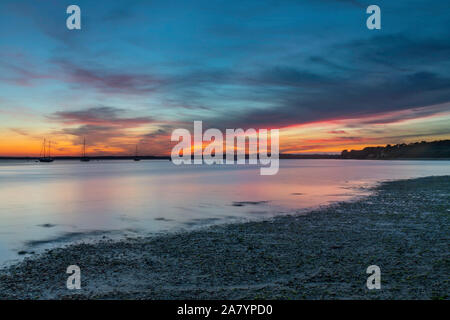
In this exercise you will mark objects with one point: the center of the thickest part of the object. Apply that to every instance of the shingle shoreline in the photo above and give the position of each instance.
(403, 228)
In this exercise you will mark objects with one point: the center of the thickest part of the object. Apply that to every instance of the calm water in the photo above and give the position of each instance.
(44, 205)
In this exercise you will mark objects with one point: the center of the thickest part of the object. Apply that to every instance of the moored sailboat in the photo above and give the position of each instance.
(83, 157)
(45, 154)
(136, 158)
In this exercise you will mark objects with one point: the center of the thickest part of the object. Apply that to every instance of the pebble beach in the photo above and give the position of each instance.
(402, 227)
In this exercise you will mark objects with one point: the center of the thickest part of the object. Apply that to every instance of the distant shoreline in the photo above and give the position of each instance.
(402, 228)
(434, 150)
(282, 157)
(91, 158)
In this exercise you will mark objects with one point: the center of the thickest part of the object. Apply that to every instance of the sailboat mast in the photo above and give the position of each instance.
(49, 148)
(44, 147)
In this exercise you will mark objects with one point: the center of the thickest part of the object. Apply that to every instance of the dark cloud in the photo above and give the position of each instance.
(95, 134)
(288, 76)
(348, 100)
(360, 78)
(103, 116)
(100, 125)
(106, 80)
(397, 51)
(252, 82)
(360, 83)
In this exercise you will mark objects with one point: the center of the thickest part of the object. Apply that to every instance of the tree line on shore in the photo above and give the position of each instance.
(416, 150)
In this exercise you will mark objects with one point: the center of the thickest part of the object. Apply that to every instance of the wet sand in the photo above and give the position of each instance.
(403, 227)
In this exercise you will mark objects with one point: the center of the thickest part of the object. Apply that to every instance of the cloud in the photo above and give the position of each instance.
(272, 70)
(107, 81)
(405, 115)
(103, 116)
(94, 134)
(348, 100)
(289, 76)
(22, 132)
(357, 80)
(49, 23)
(398, 51)
(337, 132)
(362, 78)
(100, 125)
(16, 69)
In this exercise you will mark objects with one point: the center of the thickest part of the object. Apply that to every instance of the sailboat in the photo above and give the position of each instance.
(136, 158)
(83, 157)
(44, 157)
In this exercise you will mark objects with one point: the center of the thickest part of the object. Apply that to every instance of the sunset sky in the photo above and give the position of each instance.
(139, 69)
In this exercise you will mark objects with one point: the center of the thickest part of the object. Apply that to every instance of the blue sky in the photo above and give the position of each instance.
(137, 69)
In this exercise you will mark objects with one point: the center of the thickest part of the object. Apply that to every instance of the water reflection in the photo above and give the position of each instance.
(45, 204)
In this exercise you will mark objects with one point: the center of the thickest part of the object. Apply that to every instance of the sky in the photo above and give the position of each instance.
(137, 70)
